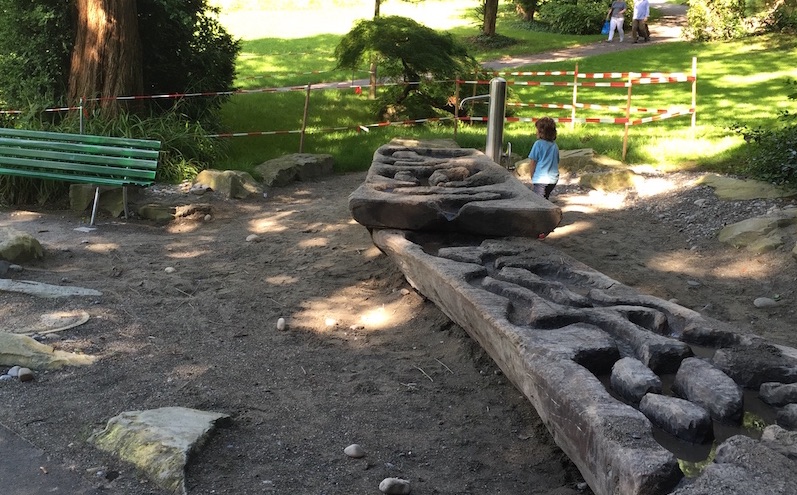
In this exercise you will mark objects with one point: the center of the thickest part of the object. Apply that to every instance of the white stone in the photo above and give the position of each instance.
(354, 450)
(395, 486)
(5, 378)
(25, 375)
(281, 324)
(208, 218)
(170, 269)
(13, 372)
(252, 238)
(764, 302)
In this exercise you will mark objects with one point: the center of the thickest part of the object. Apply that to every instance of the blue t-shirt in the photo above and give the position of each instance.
(546, 154)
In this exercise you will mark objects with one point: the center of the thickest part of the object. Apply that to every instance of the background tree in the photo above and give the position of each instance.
(526, 9)
(408, 53)
(106, 57)
(490, 17)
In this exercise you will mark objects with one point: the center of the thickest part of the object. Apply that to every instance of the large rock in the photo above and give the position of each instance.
(158, 441)
(707, 386)
(728, 188)
(778, 394)
(289, 168)
(21, 350)
(232, 184)
(743, 466)
(761, 234)
(81, 197)
(17, 246)
(678, 417)
(426, 188)
(631, 379)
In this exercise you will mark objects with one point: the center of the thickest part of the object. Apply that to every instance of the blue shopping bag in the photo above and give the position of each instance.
(605, 29)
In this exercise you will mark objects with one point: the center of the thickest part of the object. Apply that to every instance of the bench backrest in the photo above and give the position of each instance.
(100, 160)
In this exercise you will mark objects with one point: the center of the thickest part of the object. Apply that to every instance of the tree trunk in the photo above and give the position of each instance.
(372, 70)
(490, 17)
(106, 59)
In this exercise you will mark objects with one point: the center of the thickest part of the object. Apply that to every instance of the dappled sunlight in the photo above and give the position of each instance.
(351, 309)
(314, 242)
(592, 202)
(733, 268)
(572, 228)
(281, 280)
(271, 224)
(186, 254)
(186, 371)
(102, 247)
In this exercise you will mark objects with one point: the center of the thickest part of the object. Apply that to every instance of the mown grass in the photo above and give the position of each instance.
(738, 82)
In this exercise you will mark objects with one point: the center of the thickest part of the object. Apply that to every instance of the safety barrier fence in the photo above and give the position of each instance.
(575, 81)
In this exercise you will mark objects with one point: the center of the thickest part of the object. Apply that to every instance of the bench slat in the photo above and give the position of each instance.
(74, 158)
(47, 166)
(87, 149)
(81, 138)
(100, 181)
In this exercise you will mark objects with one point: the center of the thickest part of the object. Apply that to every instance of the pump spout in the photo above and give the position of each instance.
(479, 97)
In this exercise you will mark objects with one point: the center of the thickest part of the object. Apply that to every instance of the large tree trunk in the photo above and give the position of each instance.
(490, 17)
(106, 58)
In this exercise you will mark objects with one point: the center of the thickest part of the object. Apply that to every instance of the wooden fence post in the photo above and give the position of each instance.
(304, 118)
(456, 108)
(627, 116)
(694, 93)
(575, 98)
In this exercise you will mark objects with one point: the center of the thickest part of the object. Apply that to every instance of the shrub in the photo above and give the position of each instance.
(772, 153)
(709, 20)
(571, 17)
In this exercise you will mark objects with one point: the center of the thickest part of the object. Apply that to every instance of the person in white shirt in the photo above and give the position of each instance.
(639, 24)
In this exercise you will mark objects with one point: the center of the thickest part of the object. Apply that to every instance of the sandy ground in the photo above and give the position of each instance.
(364, 359)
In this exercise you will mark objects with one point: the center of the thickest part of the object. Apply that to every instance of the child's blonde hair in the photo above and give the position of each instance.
(546, 129)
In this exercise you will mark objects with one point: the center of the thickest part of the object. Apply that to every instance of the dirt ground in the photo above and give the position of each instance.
(364, 359)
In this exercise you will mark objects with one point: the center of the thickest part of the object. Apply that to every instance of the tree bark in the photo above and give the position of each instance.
(490, 17)
(106, 59)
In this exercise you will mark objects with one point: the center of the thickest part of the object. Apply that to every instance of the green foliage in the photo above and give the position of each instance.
(715, 20)
(574, 17)
(780, 17)
(185, 49)
(773, 151)
(407, 53)
(35, 40)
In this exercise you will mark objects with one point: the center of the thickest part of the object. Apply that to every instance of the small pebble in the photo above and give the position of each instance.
(405, 292)
(4, 378)
(25, 375)
(281, 324)
(355, 451)
(170, 269)
(693, 283)
(395, 486)
(208, 218)
(252, 238)
(764, 302)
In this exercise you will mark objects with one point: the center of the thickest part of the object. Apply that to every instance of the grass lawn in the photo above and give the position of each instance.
(738, 82)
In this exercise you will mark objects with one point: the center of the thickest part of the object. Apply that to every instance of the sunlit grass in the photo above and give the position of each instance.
(739, 82)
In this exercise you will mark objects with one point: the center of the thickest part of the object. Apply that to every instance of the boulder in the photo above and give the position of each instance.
(231, 184)
(728, 188)
(158, 441)
(760, 234)
(615, 180)
(17, 246)
(21, 350)
(632, 380)
(295, 167)
(81, 198)
(778, 394)
(678, 417)
(699, 382)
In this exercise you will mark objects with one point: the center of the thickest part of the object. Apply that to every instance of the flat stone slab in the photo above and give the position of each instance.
(444, 189)
(544, 317)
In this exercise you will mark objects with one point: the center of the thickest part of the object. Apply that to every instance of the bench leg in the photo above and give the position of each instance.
(96, 204)
(124, 199)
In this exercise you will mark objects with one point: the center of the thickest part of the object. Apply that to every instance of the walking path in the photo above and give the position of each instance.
(666, 29)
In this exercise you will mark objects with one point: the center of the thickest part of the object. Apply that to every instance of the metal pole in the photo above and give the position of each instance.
(495, 119)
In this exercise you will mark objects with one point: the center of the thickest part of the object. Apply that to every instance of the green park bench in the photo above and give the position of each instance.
(79, 158)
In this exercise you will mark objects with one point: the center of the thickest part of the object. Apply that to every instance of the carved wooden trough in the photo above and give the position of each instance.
(613, 373)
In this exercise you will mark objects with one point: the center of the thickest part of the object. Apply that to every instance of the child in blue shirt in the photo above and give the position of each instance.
(544, 155)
